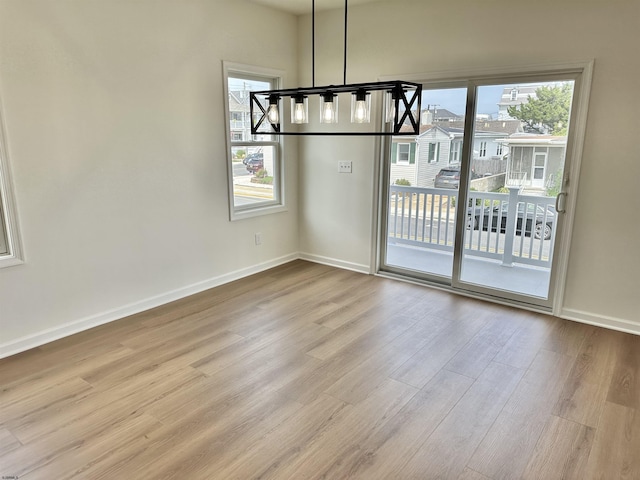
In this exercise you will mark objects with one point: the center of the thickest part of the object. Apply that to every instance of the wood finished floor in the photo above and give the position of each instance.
(309, 372)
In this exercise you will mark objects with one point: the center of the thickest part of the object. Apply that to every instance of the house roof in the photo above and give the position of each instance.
(440, 114)
(486, 127)
(498, 126)
(408, 128)
(238, 101)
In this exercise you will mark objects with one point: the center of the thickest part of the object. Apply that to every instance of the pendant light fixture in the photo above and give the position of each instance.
(402, 103)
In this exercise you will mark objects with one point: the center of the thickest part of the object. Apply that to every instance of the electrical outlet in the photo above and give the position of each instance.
(344, 167)
(258, 239)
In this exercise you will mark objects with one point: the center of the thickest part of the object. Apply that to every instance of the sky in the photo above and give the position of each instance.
(454, 99)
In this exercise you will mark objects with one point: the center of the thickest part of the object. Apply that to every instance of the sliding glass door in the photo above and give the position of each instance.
(517, 165)
(475, 201)
(423, 180)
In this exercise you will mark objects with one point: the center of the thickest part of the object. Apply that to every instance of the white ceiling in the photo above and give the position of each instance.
(304, 6)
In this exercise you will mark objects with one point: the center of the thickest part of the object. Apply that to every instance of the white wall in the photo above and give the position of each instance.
(604, 266)
(115, 129)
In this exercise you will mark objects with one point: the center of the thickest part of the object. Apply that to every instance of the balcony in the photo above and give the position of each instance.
(508, 241)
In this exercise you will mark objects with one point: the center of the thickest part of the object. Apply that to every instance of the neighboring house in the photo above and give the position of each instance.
(419, 159)
(403, 157)
(534, 160)
(510, 127)
(438, 147)
(514, 96)
(240, 115)
(489, 151)
(434, 115)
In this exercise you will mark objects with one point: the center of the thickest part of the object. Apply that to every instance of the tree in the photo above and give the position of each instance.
(549, 112)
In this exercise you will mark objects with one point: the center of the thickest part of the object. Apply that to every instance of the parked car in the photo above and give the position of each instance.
(450, 178)
(539, 223)
(252, 156)
(255, 164)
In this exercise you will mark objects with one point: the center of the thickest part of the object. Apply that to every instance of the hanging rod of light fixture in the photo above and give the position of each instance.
(402, 102)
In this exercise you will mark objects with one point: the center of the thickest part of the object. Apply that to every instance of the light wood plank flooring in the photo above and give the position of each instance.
(308, 372)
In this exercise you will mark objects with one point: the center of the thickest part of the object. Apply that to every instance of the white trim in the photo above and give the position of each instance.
(573, 153)
(7, 197)
(452, 77)
(334, 262)
(35, 340)
(604, 321)
(262, 208)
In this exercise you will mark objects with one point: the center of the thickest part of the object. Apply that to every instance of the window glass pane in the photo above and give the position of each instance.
(253, 174)
(532, 127)
(403, 152)
(421, 202)
(239, 108)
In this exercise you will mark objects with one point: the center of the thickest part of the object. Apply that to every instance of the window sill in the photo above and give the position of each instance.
(10, 261)
(257, 212)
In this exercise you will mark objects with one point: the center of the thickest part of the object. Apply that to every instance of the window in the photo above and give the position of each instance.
(404, 149)
(514, 94)
(10, 247)
(483, 149)
(433, 152)
(499, 149)
(254, 161)
(455, 152)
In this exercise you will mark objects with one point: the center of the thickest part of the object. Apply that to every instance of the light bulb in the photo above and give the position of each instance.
(299, 114)
(328, 108)
(391, 108)
(360, 114)
(392, 100)
(273, 112)
(299, 109)
(360, 107)
(329, 113)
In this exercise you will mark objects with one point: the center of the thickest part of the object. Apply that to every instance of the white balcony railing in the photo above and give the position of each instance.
(510, 227)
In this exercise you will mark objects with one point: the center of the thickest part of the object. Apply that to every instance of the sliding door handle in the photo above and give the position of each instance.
(563, 209)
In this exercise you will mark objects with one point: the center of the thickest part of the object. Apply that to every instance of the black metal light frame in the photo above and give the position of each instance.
(406, 98)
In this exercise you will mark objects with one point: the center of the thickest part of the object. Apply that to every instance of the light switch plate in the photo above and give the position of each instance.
(344, 167)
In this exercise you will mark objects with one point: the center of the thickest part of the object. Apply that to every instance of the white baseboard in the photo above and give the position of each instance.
(35, 340)
(612, 323)
(334, 262)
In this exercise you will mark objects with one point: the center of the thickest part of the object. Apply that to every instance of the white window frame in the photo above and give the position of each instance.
(482, 151)
(8, 219)
(436, 152)
(231, 69)
(399, 159)
(456, 149)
